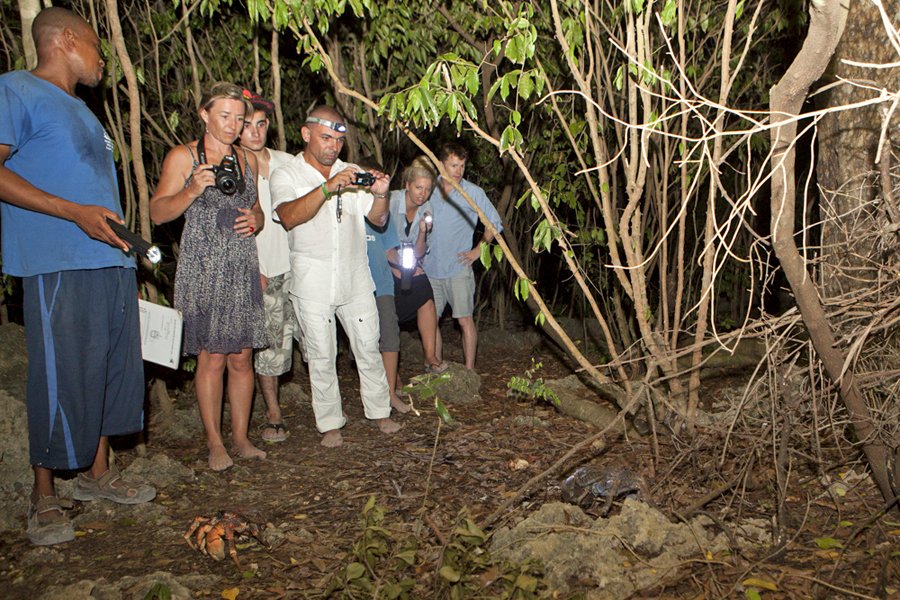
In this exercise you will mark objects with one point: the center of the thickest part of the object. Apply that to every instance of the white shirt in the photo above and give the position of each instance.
(272, 241)
(328, 258)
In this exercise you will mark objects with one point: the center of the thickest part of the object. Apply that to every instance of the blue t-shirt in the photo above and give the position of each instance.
(377, 243)
(58, 145)
(453, 228)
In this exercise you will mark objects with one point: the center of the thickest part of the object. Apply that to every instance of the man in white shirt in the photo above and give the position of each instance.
(274, 270)
(316, 199)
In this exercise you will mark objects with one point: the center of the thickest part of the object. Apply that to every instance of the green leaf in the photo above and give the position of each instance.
(617, 81)
(752, 594)
(526, 85)
(638, 6)
(355, 570)
(510, 138)
(540, 319)
(485, 255)
(498, 252)
(472, 81)
(442, 411)
(827, 543)
(525, 289)
(449, 573)
(407, 556)
(669, 12)
(739, 10)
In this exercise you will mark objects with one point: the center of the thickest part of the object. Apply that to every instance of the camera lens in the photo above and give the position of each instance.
(226, 183)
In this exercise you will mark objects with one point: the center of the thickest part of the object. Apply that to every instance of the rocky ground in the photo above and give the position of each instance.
(403, 515)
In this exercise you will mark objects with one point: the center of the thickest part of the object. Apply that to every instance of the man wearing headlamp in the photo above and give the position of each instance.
(323, 203)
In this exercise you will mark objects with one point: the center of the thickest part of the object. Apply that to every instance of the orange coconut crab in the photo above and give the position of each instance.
(215, 535)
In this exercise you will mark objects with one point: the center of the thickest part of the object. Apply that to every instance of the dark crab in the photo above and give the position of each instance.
(590, 484)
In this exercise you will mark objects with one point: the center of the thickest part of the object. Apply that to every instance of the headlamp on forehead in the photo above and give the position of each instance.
(339, 127)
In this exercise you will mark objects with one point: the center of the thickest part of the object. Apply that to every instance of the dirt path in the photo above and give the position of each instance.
(312, 497)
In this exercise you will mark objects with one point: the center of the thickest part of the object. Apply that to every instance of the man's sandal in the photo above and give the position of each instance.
(48, 523)
(111, 486)
(274, 432)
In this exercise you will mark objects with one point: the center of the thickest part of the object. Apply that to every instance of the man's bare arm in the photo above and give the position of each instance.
(304, 208)
(300, 210)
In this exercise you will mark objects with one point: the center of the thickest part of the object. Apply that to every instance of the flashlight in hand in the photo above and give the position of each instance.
(138, 244)
(407, 265)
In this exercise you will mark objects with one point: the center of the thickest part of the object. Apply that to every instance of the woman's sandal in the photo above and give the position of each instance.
(279, 432)
(436, 369)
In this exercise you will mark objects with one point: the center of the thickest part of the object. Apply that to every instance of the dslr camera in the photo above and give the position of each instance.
(363, 179)
(228, 176)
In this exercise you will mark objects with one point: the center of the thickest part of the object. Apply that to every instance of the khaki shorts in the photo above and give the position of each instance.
(281, 329)
(457, 291)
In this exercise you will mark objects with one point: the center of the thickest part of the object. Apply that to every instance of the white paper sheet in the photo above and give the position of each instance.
(160, 334)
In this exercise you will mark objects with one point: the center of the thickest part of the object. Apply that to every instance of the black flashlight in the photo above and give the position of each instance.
(138, 244)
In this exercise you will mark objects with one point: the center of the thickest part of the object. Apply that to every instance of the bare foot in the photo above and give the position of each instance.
(387, 425)
(332, 439)
(248, 450)
(399, 405)
(219, 459)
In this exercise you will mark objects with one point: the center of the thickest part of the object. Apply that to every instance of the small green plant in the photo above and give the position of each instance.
(159, 591)
(386, 564)
(531, 387)
(377, 564)
(468, 570)
(425, 387)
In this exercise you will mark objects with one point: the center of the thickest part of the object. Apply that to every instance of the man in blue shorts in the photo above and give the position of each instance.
(57, 189)
(449, 263)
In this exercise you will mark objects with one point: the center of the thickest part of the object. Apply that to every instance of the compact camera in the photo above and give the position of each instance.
(363, 179)
(228, 175)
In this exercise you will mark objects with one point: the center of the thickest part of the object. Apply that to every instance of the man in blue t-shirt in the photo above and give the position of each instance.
(57, 189)
(448, 264)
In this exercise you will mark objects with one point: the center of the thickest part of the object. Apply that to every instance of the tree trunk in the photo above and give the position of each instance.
(827, 20)
(134, 119)
(852, 202)
(28, 10)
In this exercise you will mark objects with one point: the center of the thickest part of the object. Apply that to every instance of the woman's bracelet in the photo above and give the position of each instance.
(380, 195)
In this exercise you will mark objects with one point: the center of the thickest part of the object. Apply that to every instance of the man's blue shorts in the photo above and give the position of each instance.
(85, 372)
